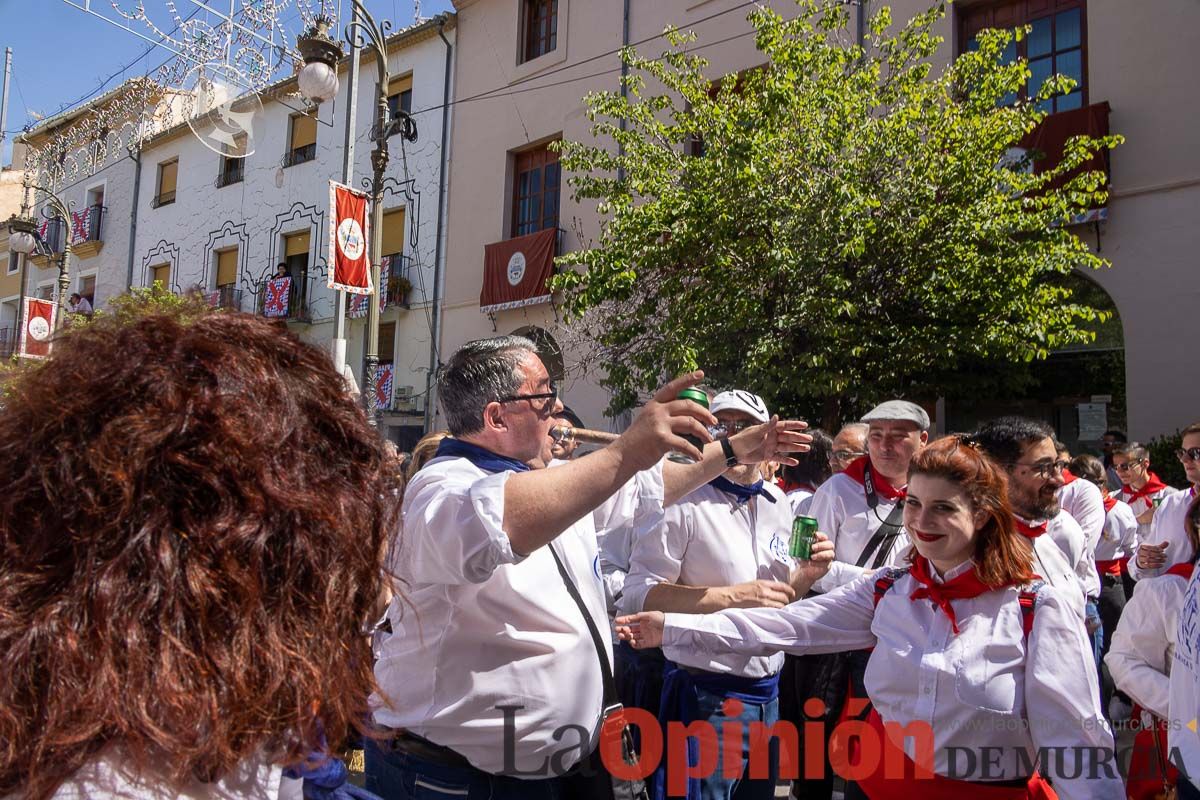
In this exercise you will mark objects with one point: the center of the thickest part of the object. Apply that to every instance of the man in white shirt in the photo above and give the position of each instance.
(78, 304)
(860, 510)
(491, 682)
(1141, 489)
(1167, 543)
(725, 545)
(1025, 449)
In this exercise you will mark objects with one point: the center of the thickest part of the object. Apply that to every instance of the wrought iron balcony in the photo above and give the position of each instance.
(300, 155)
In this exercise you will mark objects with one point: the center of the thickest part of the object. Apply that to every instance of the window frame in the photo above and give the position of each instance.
(966, 15)
(527, 156)
(531, 39)
(159, 200)
(304, 153)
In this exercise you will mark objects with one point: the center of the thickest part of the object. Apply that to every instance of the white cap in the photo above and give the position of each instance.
(737, 400)
(899, 411)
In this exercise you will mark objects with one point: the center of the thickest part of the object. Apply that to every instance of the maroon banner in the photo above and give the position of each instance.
(515, 271)
(37, 325)
(348, 235)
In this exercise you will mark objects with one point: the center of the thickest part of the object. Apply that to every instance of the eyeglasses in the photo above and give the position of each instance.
(1043, 469)
(845, 455)
(1128, 465)
(1190, 454)
(723, 429)
(551, 395)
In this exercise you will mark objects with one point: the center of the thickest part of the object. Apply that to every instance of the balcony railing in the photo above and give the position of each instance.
(8, 342)
(163, 199)
(95, 221)
(226, 297)
(294, 306)
(301, 154)
(233, 170)
(398, 286)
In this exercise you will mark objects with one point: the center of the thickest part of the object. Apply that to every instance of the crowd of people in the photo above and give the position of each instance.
(201, 532)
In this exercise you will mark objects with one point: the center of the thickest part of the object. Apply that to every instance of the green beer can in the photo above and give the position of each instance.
(696, 396)
(804, 533)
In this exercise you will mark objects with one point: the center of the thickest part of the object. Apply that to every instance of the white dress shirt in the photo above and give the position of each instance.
(476, 626)
(710, 539)
(615, 530)
(1083, 500)
(1167, 527)
(801, 500)
(840, 506)
(1080, 551)
(1055, 567)
(1144, 504)
(109, 776)
(1184, 701)
(1120, 533)
(1143, 644)
(984, 687)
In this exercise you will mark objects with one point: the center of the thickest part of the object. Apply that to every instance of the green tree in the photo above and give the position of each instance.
(840, 225)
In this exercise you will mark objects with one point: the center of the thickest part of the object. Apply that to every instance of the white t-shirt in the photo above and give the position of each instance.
(710, 539)
(1167, 527)
(840, 506)
(983, 687)
(1143, 644)
(476, 626)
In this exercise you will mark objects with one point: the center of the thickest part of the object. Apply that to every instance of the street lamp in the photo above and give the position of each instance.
(321, 55)
(23, 236)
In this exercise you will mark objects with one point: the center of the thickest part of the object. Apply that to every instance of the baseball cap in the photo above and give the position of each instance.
(899, 411)
(737, 400)
(571, 417)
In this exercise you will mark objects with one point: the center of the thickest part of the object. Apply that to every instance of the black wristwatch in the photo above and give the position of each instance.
(731, 460)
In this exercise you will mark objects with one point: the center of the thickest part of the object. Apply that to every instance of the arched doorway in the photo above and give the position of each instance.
(1079, 390)
(548, 350)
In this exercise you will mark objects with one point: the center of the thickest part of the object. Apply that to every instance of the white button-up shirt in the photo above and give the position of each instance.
(710, 539)
(840, 506)
(986, 687)
(476, 626)
(1079, 551)
(1143, 504)
(1120, 533)
(1184, 701)
(1167, 527)
(1143, 644)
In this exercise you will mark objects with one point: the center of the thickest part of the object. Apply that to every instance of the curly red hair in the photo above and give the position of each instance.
(190, 541)
(1002, 555)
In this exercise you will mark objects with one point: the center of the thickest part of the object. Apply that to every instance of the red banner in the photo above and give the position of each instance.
(37, 325)
(515, 271)
(350, 269)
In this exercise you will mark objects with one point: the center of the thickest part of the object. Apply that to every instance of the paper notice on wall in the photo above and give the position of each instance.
(1093, 421)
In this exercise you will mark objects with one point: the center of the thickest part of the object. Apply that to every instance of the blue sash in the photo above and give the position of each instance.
(681, 704)
(740, 491)
(481, 457)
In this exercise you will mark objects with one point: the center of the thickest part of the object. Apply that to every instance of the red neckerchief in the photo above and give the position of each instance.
(1153, 484)
(962, 587)
(788, 487)
(1109, 502)
(1183, 570)
(858, 470)
(1029, 530)
(1069, 477)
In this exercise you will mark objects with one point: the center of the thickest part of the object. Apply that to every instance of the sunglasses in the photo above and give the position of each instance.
(1190, 454)
(1129, 465)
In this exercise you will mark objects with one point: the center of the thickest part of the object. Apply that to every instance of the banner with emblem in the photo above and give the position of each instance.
(515, 271)
(350, 268)
(37, 324)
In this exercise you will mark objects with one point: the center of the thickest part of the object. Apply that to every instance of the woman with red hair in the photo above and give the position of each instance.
(970, 650)
(191, 532)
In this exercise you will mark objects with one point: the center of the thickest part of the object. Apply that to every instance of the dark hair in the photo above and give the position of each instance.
(1089, 468)
(813, 467)
(1004, 439)
(76, 294)
(1134, 451)
(1002, 555)
(187, 586)
(480, 372)
(1116, 434)
(1191, 524)
(571, 417)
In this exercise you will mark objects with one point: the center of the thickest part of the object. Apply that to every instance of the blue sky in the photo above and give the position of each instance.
(61, 54)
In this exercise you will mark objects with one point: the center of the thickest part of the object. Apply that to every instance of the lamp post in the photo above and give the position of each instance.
(318, 82)
(23, 236)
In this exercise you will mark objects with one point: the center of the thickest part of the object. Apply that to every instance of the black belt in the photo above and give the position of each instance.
(413, 745)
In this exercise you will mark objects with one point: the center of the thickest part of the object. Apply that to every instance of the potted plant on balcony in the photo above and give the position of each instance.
(398, 288)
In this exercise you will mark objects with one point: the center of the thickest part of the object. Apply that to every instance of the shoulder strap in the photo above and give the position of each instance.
(885, 581)
(1028, 600)
(610, 685)
(885, 535)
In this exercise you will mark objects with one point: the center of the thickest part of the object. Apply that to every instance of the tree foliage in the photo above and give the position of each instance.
(854, 227)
